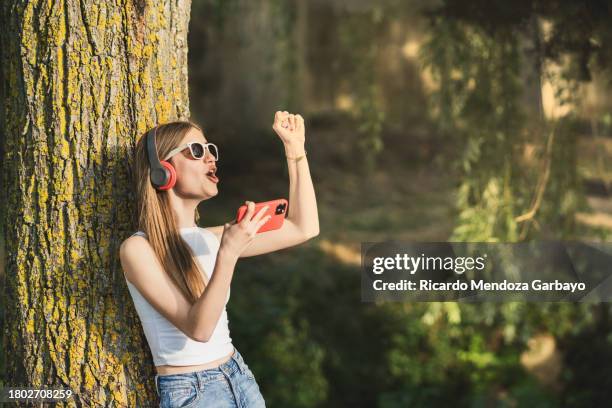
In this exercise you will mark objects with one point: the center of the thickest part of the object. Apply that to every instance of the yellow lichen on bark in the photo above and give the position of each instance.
(85, 80)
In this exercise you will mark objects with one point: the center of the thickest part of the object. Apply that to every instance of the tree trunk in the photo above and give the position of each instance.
(81, 81)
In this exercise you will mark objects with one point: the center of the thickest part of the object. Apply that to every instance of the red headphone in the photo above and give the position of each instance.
(163, 174)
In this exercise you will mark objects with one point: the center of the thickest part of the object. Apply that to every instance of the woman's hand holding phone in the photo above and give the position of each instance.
(238, 235)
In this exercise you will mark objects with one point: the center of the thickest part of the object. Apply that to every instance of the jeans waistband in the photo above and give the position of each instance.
(235, 363)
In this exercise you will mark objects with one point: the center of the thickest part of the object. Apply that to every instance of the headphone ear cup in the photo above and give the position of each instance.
(172, 176)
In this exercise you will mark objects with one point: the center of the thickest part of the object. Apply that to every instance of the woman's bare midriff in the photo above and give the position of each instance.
(170, 369)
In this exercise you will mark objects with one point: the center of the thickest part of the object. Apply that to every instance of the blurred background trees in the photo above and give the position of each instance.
(426, 121)
(448, 120)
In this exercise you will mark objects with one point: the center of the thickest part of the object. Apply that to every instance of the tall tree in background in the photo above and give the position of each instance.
(81, 80)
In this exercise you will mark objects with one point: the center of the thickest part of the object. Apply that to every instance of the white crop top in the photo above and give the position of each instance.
(169, 345)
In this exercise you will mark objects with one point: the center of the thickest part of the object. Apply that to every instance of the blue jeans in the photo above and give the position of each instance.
(232, 384)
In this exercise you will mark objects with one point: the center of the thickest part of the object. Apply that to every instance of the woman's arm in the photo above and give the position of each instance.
(198, 321)
(302, 222)
(205, 313)
(302, 211)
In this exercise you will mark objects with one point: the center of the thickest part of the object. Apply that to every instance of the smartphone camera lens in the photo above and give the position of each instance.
(280, 208)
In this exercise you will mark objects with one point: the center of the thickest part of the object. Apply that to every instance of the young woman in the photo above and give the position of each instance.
(179, 274)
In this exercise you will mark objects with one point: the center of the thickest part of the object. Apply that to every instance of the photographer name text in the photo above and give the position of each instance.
(481, 285)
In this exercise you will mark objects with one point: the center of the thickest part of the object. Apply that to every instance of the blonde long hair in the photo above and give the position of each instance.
(155, 216)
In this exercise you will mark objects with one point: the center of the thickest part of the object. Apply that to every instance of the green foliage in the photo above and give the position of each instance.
(289, 360)
(477, 102)
(470, 353)
(358, 54)
(578, 30)
(299, 314)
(478, 68)
(480, 71)
(285, 48)
(216, 10)
(298, 361)
(313, 343)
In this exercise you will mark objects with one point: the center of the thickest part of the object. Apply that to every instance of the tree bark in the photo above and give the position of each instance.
(81, 81)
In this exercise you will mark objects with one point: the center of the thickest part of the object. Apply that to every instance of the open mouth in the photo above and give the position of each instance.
(211, 175)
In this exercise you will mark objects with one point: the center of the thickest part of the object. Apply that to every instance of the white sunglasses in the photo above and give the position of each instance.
(197, 150)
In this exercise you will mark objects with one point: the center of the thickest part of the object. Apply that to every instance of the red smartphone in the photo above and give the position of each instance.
(276, 208)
